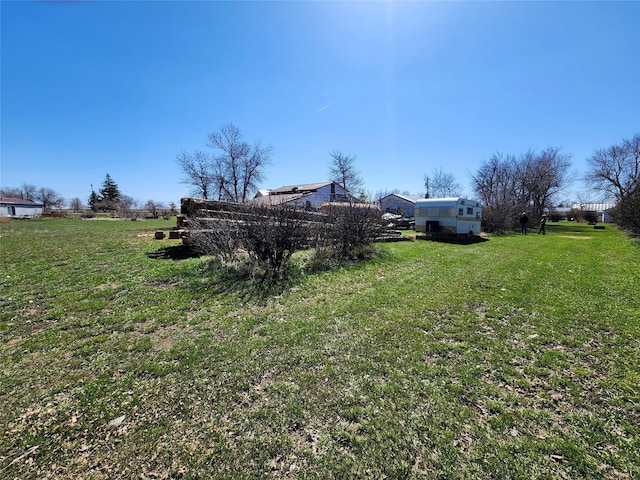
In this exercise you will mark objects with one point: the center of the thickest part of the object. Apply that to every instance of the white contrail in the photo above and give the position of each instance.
(325, 107)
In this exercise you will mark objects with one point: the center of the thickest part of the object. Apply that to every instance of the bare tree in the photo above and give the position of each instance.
(495, 186)
(508, 185)
(127, 206)
(10, 192)
(441, 184)
(154, 208)
(49, 198)
(198, 172)
(237, 168)
(342, 170)
(76, 204)
(543, 176)
(28, 192)
(616, 170)
(380, 194)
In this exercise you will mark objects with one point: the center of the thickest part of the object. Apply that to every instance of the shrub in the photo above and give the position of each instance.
(626, 215)
(348, 233)
(500, 218)
(266, 237)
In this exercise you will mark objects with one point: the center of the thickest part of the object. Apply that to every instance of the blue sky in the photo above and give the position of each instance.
(90, 88)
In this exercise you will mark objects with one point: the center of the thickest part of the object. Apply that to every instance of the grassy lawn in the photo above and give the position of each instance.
(513, 357)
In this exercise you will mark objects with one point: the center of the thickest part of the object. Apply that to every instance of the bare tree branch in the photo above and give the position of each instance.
(238, 168)
(198, 172)
(616, 169)
(342, 170)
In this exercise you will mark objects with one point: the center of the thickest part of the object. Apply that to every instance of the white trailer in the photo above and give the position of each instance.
(454, 216)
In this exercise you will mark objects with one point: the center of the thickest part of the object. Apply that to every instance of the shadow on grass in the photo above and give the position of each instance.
(454, 239)
(176, 252)
(213, 277)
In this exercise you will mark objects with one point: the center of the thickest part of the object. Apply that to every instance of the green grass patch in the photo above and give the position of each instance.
(511, 357)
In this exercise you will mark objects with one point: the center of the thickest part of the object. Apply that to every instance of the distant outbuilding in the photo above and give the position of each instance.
(399, 204)
(20, 208)
(310, 196)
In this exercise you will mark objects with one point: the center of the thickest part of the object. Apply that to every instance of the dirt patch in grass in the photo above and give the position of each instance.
(575, 237)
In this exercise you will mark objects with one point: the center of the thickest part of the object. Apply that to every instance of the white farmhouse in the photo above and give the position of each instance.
(19, 208)
(310, 196)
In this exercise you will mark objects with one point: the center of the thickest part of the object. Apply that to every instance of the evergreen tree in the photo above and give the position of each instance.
(109, 194)
(94, 200)
(110, 190)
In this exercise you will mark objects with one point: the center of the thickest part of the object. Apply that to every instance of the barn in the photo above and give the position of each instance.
(399, 204)
(19, 208)
(310, 196)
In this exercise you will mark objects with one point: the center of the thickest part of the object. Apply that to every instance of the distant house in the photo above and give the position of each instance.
(602, 210)
(19, 208)
(310, 196)
(399, 204)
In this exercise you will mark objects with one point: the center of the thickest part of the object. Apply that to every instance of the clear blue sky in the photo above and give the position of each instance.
(90, 88)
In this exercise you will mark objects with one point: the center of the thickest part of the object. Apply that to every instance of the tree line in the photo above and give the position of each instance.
(506, 184)
(108, 199)
(46, 196)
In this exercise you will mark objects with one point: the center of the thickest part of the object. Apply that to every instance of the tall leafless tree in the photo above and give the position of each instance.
(542, 177)
(198, 172)
(507, 185)
(495, 186)
(342, 170)
(28, 191)
(237, 167)
(49, 198)
(441, 184)
(76, 204)
(616, 170)
(127, 206)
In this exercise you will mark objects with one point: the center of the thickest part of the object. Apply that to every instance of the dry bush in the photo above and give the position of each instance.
(348, 234)
(626, 215)
(266, 237)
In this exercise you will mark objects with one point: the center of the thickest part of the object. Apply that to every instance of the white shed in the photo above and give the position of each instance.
(19, 208)
(448, 215)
